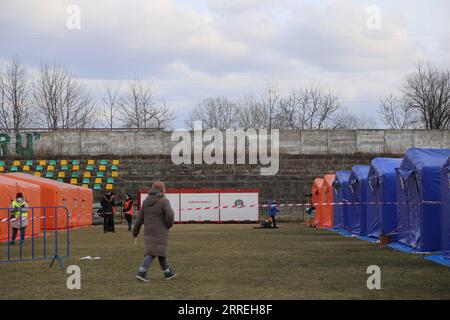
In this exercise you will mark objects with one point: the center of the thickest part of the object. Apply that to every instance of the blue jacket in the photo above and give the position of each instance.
(273, 210)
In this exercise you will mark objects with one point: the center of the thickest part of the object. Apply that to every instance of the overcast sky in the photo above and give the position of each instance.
(191, 50)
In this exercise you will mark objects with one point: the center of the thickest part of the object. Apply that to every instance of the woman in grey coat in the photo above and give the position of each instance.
(157, 217)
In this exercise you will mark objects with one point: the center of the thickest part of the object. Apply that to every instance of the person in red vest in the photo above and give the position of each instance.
(128, 210)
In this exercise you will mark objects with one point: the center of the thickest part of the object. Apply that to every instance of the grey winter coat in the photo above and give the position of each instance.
(157, 217)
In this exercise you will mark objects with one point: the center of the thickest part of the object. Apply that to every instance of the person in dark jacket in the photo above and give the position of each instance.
(157, 217)
(107, 204)
(128, 210)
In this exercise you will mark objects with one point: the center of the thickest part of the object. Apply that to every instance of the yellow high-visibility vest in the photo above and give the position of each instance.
(20, 208)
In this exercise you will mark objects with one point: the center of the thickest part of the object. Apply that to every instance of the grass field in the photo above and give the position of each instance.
(230, 262)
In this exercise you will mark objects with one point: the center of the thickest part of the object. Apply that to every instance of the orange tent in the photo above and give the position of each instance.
(326, 218)
(86, 202)
(54, 193)
(31, 192)
(317, 198)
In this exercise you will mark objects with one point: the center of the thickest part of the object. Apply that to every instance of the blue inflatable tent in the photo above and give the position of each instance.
(340, 187)
(382, 216)
(357, 210)
(419, 198)
(445, 210)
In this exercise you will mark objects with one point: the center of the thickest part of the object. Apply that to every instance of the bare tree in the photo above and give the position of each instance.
(215, 113)
(309, 108)
(63, 101)
(139, 110)
(346, 120)
(111, 102)
(15, 106)
(270, 102)
(397, 113)
(428, 92)
(163, 115)
(252, 114)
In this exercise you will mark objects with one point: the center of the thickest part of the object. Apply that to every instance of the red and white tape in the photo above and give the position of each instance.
(35, 218)
(283, 205)
(303, 205)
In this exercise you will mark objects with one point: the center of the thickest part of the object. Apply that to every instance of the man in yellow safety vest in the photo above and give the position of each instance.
(19, 215)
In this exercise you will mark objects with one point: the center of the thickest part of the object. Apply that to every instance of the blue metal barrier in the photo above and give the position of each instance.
(45, 209)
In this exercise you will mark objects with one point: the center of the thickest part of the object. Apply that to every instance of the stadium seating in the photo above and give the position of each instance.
(90, 173)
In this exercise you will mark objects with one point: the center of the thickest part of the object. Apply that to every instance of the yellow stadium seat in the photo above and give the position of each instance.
(76, 167)
(109, 186)
(64, 162)
(116, 162)
(61, 174)
(87, 174)
(50, 168)
(85, 186)
(26, 168)
(2, 169)
(73, 181)
(90, 162)
(42, 162)
(16, 163)
(115, 174)
(37, 174)
(102, 167)
(98, 180)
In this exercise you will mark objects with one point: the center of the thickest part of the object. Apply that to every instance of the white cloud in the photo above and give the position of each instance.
(193, 49)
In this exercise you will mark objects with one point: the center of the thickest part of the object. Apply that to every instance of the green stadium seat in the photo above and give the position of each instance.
(29, 163)
(60, 179)
(97, 186)
(100, 174)
(76, 162)
(75, 174)
(104, 162)
(114, 167)
(85, 180)
(39, 167)
(110, 180)
(2, 163)
(64, 167)
(52, 162)
(50, 174)
(89, 167)
(13, 169)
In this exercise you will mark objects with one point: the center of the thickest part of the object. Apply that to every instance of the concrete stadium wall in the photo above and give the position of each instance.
(150, 143)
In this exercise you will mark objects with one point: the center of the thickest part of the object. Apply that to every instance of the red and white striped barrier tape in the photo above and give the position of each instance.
(35, 218)
(302, 205)
(289, 205)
